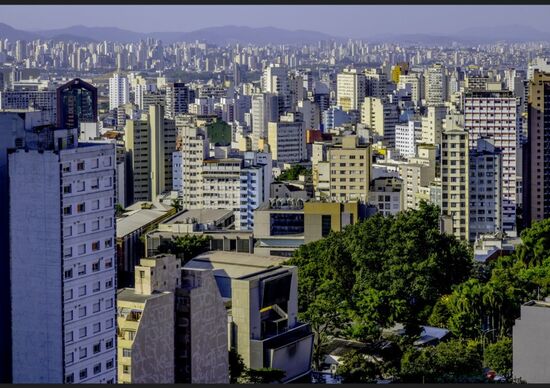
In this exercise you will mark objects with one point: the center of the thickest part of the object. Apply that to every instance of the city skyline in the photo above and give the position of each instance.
(380, 20)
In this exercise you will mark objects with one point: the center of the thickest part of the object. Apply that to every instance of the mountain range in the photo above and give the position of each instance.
(264, 35)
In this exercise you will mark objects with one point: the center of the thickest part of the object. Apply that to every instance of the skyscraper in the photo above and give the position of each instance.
(76, 103)
(536, 177)
(177, 99)
(493, 114)
(350, 89)
(62, 255)
(119, 91)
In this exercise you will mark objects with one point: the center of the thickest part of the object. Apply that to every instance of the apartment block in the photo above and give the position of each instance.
(65, 274)
(350, 164)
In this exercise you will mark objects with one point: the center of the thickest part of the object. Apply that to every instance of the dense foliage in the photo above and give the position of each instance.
(185, 247)
(401, 269)
(293, 173)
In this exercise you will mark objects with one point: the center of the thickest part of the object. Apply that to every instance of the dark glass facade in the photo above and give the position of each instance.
(76, 103)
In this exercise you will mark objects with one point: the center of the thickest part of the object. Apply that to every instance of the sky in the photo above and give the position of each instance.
(355, 21)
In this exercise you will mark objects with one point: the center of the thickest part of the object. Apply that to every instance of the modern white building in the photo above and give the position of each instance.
(265, 109)
(406, 137)
(119, 91)
(287, 139)
(63, 279)
(436, 85)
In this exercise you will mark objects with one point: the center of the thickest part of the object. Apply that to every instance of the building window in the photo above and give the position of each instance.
(109, 344)
(109, 303)
(81, 207)
(67, 210)
(82, 312)
(82, 332)
(67, 167)
(126, 369)
(95, 204)
(326, 221)
(82, 249)
(95, 163)
(83, 373)
(97, 348)
(69, 337)
(109, 323)
(81, 186)
(67, 189)
(83, 353)
(126, 352)
(108, 243)
(96, 266)
(95, 225)
(96, 327)
(82, 270)
(68, 252)
(96, 287)
(82, 291)
(97, 369)
(80, 166)
(68, 316)
(69, 379)
(110, 364)
(109, 283)
(81, 228)
(109, 263)
(96, 307)
(67, 231)
(95, 246)
(68, 294)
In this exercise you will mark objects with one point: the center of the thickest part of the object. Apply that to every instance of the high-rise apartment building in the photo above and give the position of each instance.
(376, 83)
(407, 136)
(485, 189)
(177, 99)
(76, 103)
(119, 91)
(455, 176)
(350, 89)
(63, 279)
(149, 146)
(536, 176)
(381, 116)
(265, 109)
(436, 85)
(493, 114)
(350, 164)
(287, 139)
(432, 124)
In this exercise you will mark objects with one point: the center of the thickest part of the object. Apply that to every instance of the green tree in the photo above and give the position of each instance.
(236, 366)
(293, 173)
(185, 247)
(119, 210)
(448, 362)
(498, 356)
(176, 204)
(357, 367)
(535, 243)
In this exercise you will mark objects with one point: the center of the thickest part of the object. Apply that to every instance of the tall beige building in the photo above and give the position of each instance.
(432, 124)
(455, 176)
(381, 116)
(350, 89)
(350, 164)
(149, 146)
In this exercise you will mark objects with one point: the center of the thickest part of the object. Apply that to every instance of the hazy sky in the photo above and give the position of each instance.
(358, 21)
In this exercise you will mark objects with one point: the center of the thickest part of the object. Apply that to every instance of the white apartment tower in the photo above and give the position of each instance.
(63, 279)
(436, 85)
(406, 138)
(119, 91)
(493, 115)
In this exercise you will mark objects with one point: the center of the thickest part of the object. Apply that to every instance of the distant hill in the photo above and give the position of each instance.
(13, 34)
(213, 35)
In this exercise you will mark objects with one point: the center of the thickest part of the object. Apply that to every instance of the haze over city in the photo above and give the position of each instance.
(341, 21)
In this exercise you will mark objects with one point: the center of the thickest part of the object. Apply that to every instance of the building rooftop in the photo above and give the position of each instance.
(129, 295)
(233, 264)
(202, 216)
(137, 218)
